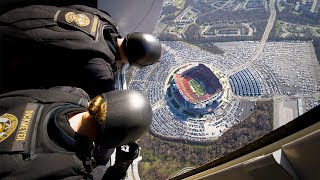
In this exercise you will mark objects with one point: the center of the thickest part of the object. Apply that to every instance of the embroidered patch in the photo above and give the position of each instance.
(94, 25)
(24, 128)
(8, 124)
(81, 19)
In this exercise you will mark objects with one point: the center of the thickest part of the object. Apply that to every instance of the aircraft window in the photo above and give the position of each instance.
(231, 71)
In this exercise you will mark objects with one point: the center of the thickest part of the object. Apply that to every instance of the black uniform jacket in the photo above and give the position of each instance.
(37, 141)
(41, 48)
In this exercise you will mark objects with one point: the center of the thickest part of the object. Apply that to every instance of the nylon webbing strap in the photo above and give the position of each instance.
(48, 96)
(24, 18)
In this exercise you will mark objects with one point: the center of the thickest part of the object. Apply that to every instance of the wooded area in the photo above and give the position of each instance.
(163, 159)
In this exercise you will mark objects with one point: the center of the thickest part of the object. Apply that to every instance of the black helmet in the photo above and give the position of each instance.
(129, 116)
(141, 49)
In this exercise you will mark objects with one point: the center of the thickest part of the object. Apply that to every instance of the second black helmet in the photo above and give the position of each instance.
(141, 49)
(128, 115)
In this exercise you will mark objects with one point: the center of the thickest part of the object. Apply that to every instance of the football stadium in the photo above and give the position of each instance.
(194, 91)
(192, 97)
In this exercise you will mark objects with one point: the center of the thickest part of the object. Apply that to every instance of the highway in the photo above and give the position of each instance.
(263, 40)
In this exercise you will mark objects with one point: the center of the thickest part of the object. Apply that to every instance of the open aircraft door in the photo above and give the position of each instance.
(133, 15)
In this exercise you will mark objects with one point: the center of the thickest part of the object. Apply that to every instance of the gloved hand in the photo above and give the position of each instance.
(124, 157)
(127, 153)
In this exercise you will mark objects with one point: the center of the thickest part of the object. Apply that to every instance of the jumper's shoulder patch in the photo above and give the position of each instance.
(85, 22)
(80, 19)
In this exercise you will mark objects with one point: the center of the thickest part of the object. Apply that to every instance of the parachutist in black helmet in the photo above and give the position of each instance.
(91, 58)
(65, 130)
(140, 49)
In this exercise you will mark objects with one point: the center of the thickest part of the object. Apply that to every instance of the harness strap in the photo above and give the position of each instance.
(38, 16)
(48, 96)
(75, 27)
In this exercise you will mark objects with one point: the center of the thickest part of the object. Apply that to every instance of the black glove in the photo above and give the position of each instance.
(127, 153)
(124, 157)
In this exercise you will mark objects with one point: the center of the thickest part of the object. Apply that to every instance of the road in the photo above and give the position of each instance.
(158, 105)
(263, 40)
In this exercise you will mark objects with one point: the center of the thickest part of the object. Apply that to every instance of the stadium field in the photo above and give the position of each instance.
(197, 87)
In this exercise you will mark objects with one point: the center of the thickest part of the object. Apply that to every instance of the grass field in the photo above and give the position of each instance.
(197, 87)
(179, 3)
